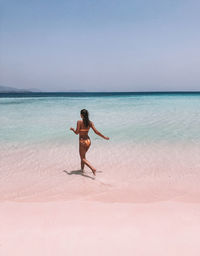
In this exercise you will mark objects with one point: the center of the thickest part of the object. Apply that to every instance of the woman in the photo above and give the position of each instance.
(83, 126)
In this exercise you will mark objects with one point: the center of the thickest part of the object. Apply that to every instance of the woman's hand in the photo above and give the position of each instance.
(106, 138)
(72, 129)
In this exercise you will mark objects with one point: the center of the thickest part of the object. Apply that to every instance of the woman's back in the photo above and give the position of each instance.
(84, 130)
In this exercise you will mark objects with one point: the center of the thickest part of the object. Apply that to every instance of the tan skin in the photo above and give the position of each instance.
(84, 141)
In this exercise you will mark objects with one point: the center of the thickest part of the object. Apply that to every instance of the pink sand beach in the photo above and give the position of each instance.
(132, 68)
(49, 208)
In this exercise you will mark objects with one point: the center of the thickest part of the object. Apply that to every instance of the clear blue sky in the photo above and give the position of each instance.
(101, 45)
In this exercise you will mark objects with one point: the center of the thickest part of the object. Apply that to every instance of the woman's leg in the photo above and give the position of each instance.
(82, 150)
(82, 163)
(86, 145)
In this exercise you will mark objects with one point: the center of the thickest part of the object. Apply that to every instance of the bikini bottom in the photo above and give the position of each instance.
(85, 142)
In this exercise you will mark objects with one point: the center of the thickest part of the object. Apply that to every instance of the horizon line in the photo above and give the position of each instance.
(17, 92)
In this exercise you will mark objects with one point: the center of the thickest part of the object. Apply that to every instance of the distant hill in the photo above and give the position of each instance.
(6, 89)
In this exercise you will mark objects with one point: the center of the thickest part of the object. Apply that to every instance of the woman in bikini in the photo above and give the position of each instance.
(83, 126)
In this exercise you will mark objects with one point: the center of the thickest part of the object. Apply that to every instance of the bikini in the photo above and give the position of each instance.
(85, 141)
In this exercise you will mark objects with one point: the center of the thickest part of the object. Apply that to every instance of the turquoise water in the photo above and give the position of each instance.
(171, 118)
(153, 151)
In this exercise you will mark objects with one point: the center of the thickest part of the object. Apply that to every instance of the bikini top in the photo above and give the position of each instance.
(84, 130)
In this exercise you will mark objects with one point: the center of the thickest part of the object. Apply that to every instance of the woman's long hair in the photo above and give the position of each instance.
(85, 115)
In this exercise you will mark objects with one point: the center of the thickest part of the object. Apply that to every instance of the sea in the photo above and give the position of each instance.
(153, 153)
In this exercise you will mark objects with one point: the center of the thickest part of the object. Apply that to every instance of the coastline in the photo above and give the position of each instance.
(145, 199)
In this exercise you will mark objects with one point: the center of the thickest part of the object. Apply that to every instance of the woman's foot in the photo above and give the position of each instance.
(82, 170)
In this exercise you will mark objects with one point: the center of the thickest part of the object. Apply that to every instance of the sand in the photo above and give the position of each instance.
(48, 208)
(98, 228)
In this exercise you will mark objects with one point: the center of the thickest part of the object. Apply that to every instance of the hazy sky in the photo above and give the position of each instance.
(100, 45)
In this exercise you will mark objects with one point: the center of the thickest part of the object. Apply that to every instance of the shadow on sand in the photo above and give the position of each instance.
(78, 172)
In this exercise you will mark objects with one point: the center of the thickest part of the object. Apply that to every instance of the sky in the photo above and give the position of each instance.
(100, 45)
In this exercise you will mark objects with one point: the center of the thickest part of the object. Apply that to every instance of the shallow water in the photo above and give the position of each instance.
(153, 150)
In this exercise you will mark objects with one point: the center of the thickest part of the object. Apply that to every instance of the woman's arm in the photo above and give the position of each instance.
(97, 132)
(77, 128)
